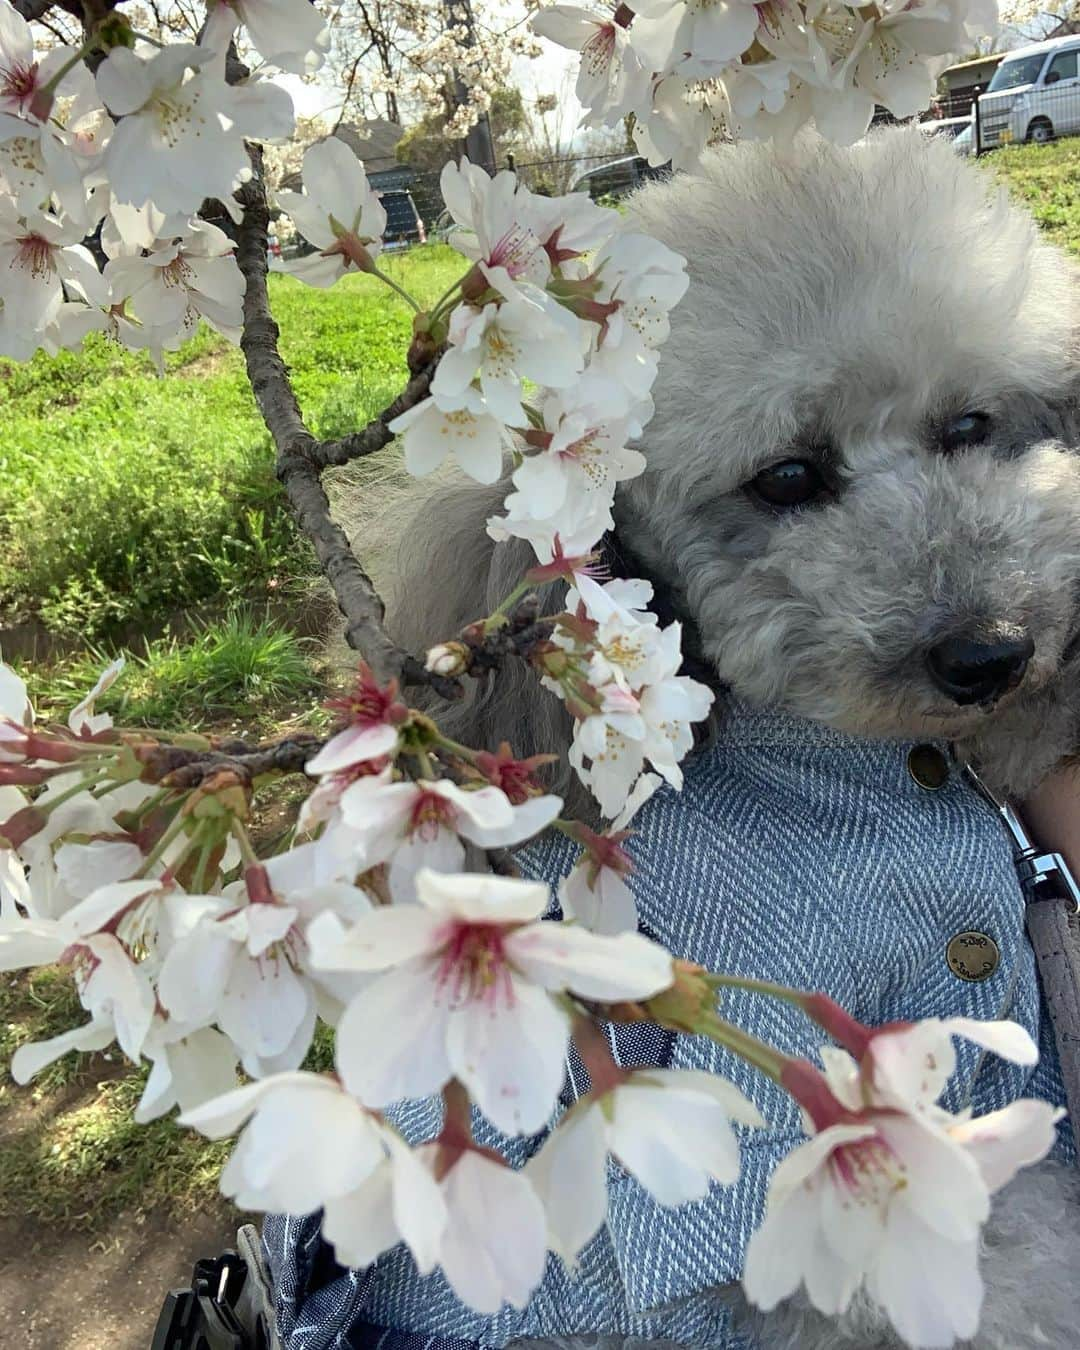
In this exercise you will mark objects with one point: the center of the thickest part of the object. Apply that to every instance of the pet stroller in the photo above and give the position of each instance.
(229, 1305)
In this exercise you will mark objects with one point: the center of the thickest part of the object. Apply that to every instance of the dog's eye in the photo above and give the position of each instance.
(970, 429)
(792, 482)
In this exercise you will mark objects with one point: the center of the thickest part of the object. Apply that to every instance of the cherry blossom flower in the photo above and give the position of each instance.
(495, 230)
(374, 714)
(611, 81)
(580, 524)
(24, 78)
(189, 1067)
(40, 254)
(421, 824)
(595, 893)
(523, 338)
(181, 128)
(676, 123)
(909, 1066)
(38, 162)
(494, 1245)
(470, 988)
(646, 708)
(280, 1168)
(646, 279)
(181, 280)
(14, 887)
(670, 1128)
(290, 34)
(459, 424)
(892, 1199)
(581, 448)
(113, 988)
(337, 212)
(85, 867)
(308, 1145)
(566, 227)
(693, 39)
(82, 719)
(33, 1056)
(16, 716)
(247, 968)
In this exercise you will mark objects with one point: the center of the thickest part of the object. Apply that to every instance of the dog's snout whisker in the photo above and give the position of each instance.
(978, 670)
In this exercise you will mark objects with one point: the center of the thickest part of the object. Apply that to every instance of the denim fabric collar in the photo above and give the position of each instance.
(745, 725)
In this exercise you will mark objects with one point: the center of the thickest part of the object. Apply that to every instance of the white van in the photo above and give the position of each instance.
(1034, 95)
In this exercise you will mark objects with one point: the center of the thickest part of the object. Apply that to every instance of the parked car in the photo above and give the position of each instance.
(946, 128)
(618, 177)
(963, 142)
(1034, 95)
(403, 223)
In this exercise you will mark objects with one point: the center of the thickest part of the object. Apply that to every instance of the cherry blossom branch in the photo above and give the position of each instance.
(377, 433)
(299, 464)
(179, 767)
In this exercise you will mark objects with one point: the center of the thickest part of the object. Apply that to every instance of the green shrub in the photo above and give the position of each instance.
(123, 496)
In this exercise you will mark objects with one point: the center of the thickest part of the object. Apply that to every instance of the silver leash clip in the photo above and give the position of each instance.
(1037, 871)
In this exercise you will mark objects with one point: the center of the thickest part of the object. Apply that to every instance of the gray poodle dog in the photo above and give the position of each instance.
(863, 501)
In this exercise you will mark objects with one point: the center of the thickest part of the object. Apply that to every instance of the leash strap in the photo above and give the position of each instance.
(1053, 924)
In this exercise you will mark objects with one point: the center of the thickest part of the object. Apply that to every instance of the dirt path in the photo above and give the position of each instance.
(71, 1291)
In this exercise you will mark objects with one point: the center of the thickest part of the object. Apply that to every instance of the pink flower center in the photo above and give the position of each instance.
(19, 82)
(35, 254)
(178, 273)
(869, 1170)
(366, 704)
(515, 251)
(474, 965)
(597, 53)
(430, 814)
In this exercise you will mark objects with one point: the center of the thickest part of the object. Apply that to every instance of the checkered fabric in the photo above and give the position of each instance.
(794, 854)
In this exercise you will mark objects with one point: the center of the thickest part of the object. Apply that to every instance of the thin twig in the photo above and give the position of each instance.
(377, 433)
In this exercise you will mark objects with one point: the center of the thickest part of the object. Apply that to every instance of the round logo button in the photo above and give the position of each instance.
(973, 955)
(928, 766)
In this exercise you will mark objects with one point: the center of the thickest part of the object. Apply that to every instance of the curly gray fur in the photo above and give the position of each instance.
(843, 306)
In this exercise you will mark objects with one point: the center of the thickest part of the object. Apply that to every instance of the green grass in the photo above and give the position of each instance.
(72, 1154)
(123, 495)
(1047, 178)
(240, 664)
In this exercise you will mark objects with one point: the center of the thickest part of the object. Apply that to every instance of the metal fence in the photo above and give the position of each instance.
(610, 175)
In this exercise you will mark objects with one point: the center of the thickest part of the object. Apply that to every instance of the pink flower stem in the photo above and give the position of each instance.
(257, 882)
(810, 1089)
(456, 1135)
(845, 1030)
(604, 1073)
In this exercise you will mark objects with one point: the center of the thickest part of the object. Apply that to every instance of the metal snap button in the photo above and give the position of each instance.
(928, 766)
(973, 956)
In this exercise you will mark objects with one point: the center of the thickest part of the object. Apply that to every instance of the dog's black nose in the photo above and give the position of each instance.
(974, 670)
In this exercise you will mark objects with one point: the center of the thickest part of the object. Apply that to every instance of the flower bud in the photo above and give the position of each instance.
(689, 1002)
(447, 658)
